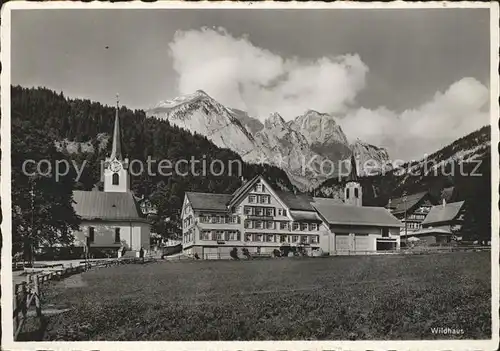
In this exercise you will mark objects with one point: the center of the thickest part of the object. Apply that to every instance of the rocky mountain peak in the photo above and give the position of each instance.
(274, 120)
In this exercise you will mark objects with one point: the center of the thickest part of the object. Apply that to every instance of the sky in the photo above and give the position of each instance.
(411, 81)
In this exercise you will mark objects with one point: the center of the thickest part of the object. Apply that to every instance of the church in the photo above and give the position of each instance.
(260, 219)
(112, 219)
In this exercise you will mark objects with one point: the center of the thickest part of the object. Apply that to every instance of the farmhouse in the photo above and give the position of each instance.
(262, 219)
(441, 224)
(112, 218)
(411, 209)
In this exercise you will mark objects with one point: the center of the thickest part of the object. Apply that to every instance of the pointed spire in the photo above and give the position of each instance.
(116, 151)
(353, 174)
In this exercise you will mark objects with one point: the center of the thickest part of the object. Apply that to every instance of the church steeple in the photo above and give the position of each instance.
(353, 192)
(116, 176)
(116, 150)
(353, 174)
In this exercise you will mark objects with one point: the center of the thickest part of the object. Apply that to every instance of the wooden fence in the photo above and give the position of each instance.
(27, 294)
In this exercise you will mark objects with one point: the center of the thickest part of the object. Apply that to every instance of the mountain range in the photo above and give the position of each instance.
(310, 148)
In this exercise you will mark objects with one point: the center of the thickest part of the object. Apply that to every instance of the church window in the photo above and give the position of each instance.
(347, 193)
(91, 234)
(117, 235)
(116, 179)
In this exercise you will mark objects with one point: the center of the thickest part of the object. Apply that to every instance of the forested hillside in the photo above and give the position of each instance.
(60, 118)
(464, 165)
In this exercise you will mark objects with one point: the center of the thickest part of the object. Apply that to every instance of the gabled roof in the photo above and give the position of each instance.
(300, 202)
(327, 201)
(354, 215)
(208, 201)
(305, 216)
(242, 189)
(399, 204)
(98, 205)
(440, 213)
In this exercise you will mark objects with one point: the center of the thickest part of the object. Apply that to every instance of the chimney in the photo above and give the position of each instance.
(444, 202)
(389, 206)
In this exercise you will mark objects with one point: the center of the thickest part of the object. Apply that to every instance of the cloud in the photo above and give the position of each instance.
(242, 75)
(461, 109)
(239, 74)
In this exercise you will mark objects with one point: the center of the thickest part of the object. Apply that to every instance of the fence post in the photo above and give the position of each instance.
(37, 298)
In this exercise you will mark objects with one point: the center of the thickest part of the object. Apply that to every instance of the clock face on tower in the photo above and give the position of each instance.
(115, 166)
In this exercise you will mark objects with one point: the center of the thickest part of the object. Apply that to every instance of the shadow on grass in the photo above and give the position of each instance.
(34, 329)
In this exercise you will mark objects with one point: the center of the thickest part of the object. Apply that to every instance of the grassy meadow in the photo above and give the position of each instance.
(363, 297)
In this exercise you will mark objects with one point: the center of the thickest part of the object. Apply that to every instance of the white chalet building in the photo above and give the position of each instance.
(261, 219)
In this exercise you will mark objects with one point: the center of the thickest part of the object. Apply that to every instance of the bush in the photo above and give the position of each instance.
(234, 254)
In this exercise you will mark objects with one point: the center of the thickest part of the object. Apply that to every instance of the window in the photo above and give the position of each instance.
(282, 238)
(347, 193)
(252, 199)
(260, 211)
(270, 225)
(313, 226)
(295, 226)
(303, 226)
(304, 239)
(356, 192)
(258, 224)
(248, 237)
(232, 235)
(280, 212)
(91, 234)
(315, 239)
(258, 187)
(283, 225)
(116, 179)
(257, 237)
(284, 212)
(219, 235)
(249, 224)
(248, 210)
(270, 212)
(265, 199)
(385, 232)
(269, 238)
(295, 238)
(205, 235)
(117, 235)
